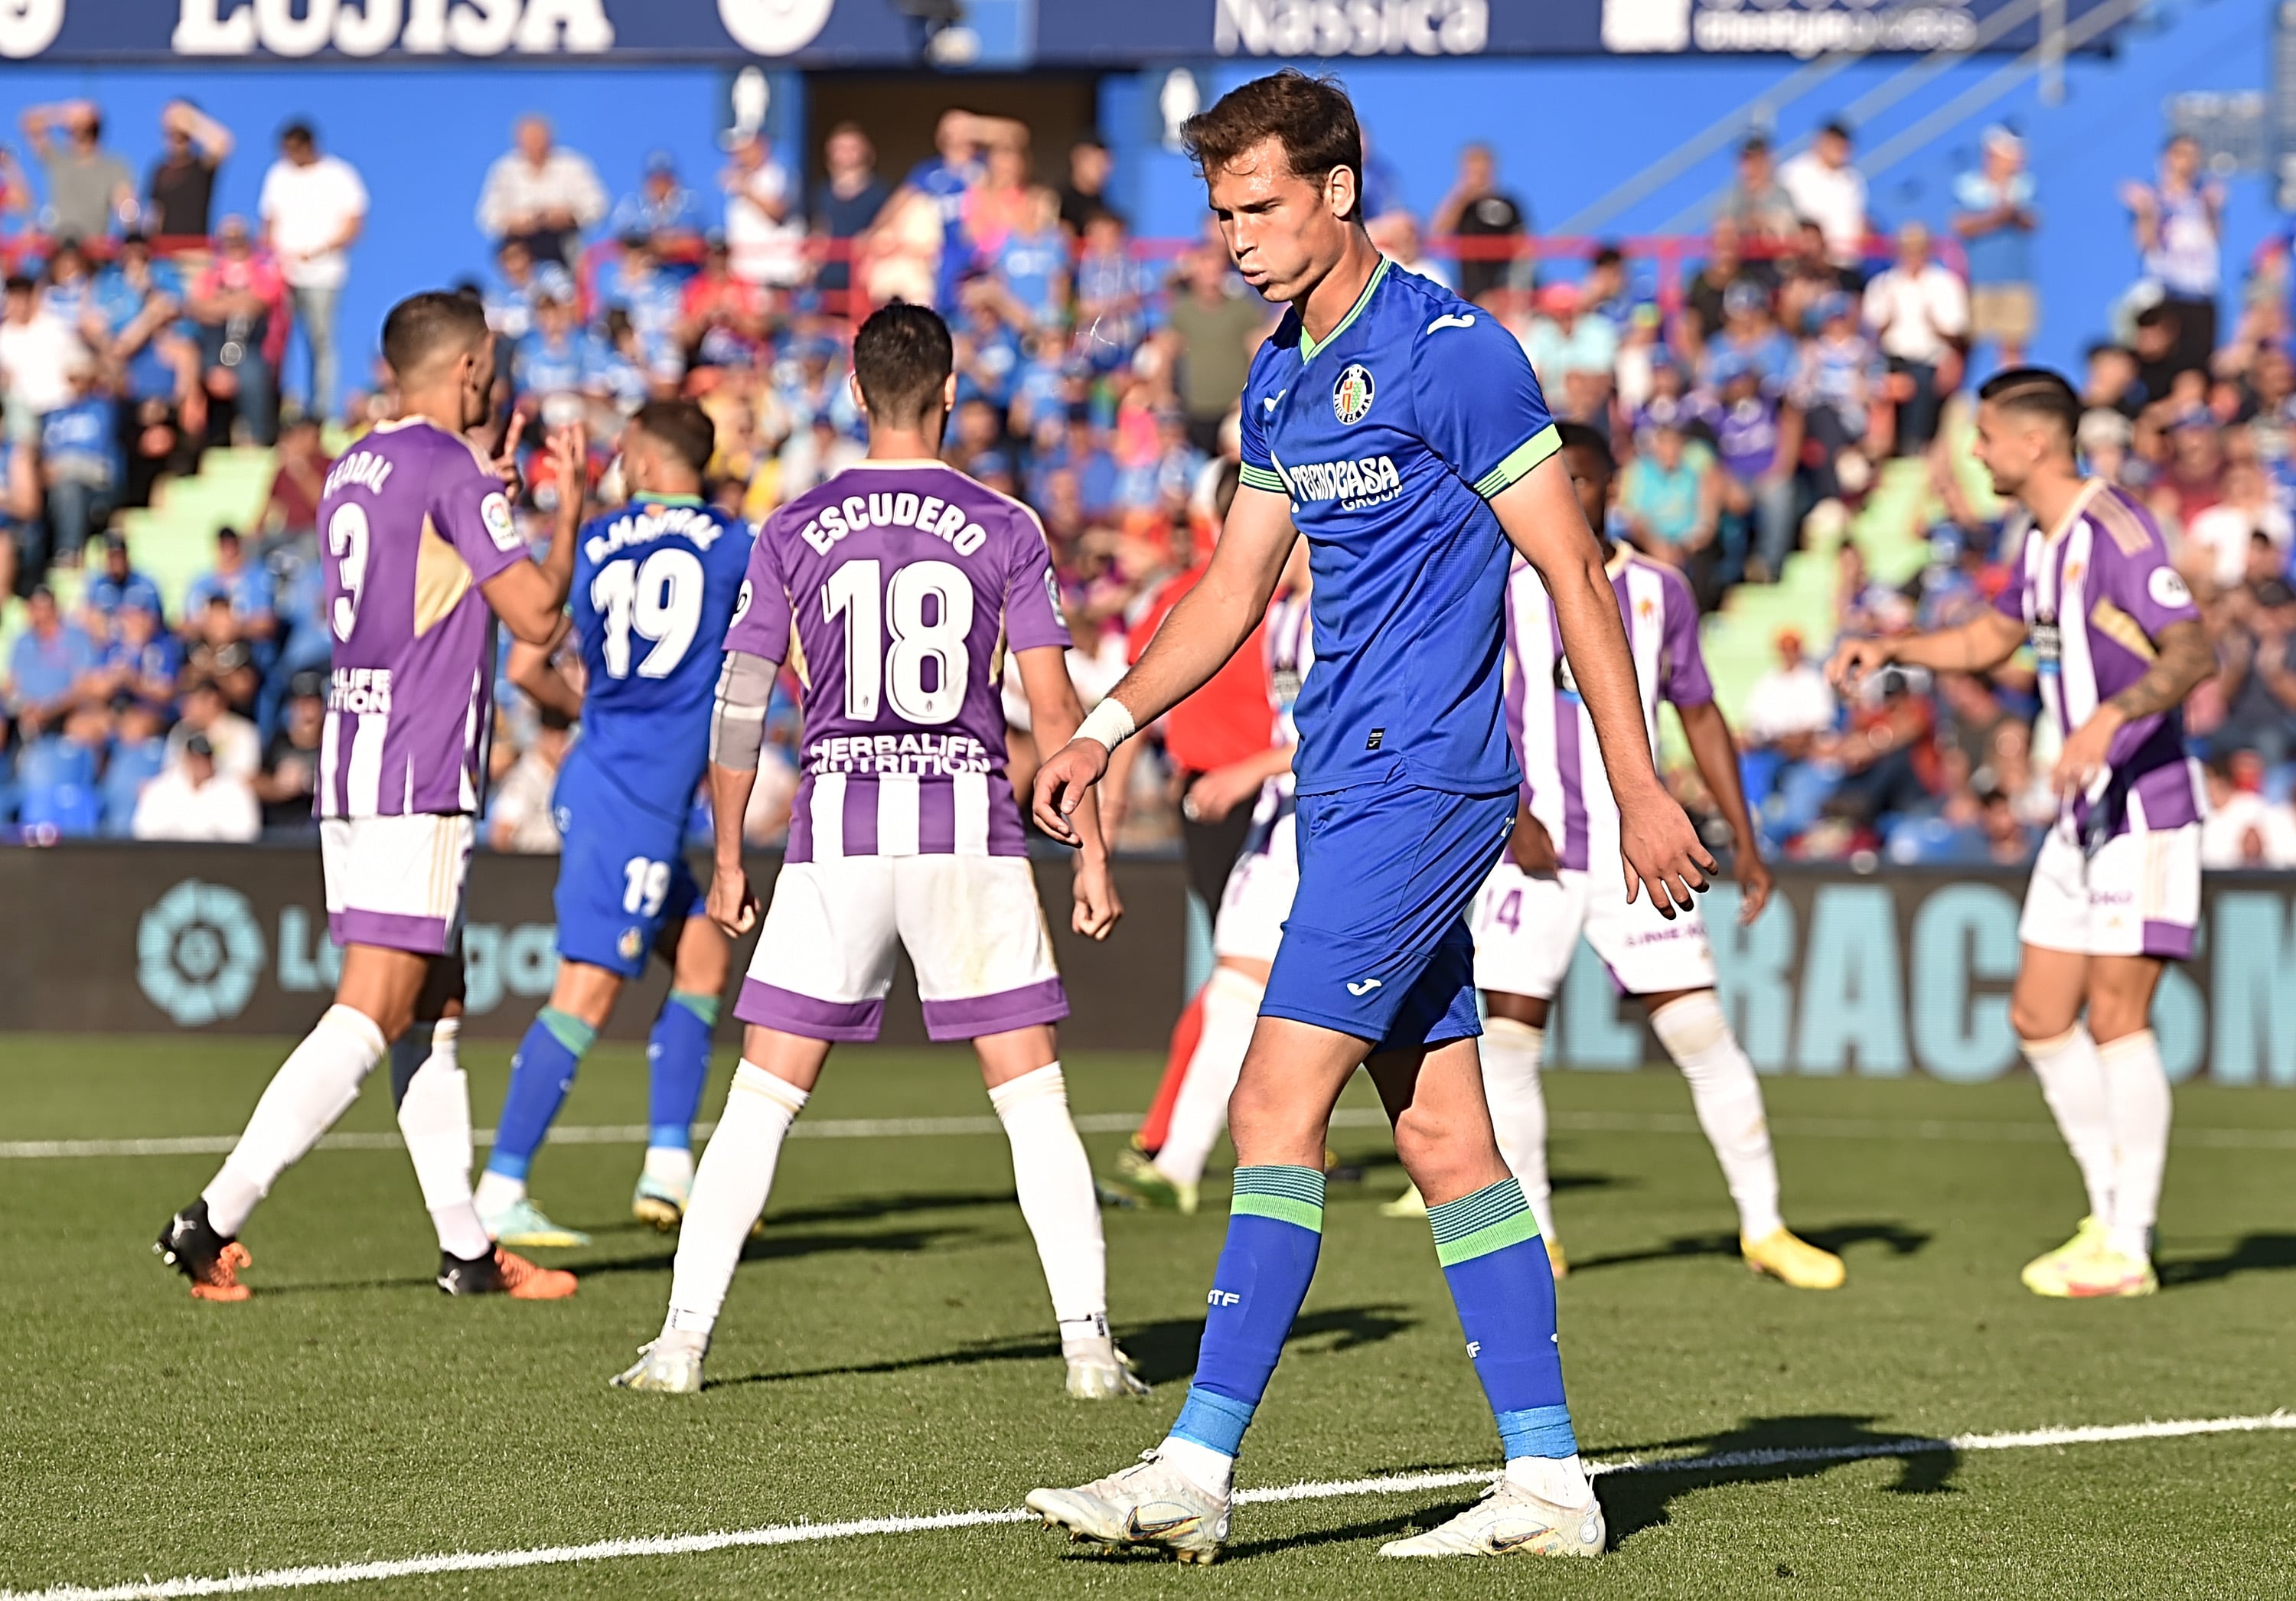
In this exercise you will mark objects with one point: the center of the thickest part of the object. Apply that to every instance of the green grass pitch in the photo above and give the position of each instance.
(887, 1350)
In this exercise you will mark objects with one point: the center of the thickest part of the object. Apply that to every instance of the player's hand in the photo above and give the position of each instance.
(1215, 794)
(1097, 908)
(733, 903)
(1754, 885)
(1062, 784)
(1532, 846)
(1853, 659)
(568, 448)
(506, 462)
(1660, 851)
(2085, 750)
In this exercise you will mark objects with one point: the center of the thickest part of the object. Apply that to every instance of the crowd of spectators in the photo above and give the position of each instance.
(1755, 390)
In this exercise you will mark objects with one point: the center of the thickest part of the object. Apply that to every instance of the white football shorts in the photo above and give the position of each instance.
(1527, 928)
(2138, 896)
(972, 924)
(398, 883)
(1257, 896)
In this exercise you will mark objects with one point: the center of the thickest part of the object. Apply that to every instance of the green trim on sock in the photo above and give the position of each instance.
(1281, 1208)
(1498, 1237)
(568, 1029)
(703, 1006)
(1289, 1195)
(1492, 1218)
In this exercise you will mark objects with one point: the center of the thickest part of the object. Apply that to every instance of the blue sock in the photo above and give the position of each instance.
(540, 1075)
(1274, 1228)
(1501, 1283)
(678, 1061)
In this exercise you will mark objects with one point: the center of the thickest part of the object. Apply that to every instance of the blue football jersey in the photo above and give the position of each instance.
(1389, 437)
(654, 590)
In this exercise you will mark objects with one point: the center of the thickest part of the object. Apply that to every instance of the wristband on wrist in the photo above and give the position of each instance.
(1108, 723)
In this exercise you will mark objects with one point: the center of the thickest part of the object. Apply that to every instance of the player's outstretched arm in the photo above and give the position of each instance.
(1979, 645)
(1541, 516)
(1207, 626)
(530, 596)
(1717, 756)
(1054, 712)
(737, 733)
(534, 669)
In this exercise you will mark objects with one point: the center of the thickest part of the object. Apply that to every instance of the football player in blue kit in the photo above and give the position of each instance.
(1401, 430)
(656, 584)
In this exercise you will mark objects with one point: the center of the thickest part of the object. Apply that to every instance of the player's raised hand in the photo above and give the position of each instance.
(1660, 851)
(733, 903)
(506, 462)
(1853, 659)
(568, 448)
(1097, 908)
(1062, 784)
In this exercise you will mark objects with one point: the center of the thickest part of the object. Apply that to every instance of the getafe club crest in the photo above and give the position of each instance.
(1351, 396)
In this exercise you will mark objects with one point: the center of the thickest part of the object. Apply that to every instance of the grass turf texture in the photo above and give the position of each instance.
(886, 1350)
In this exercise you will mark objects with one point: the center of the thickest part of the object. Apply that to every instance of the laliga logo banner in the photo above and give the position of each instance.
(198, 953)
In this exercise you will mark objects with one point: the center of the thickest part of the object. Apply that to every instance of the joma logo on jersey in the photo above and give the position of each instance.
(1351, 483)
(1351, 396)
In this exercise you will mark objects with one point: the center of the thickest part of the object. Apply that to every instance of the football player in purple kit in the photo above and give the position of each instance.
(897, 584)
(2116, 890)
(422, 557)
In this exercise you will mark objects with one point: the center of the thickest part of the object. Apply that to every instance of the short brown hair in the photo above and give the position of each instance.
(423, 326)
(680, 425)
(2036, 392)
(1312, 117)
(902, 356)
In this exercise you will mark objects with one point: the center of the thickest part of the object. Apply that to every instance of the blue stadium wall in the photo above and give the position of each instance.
(1567, 130)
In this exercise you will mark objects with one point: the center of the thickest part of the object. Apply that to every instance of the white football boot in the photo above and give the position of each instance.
(1510, 1521)
(1150, 1506)
(664, 1369)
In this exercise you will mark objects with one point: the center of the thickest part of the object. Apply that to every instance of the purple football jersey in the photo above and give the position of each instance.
(412, 523)
(1566, 784)
(901, 580)
(2094, 596)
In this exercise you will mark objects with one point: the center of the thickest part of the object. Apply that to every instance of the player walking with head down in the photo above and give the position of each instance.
(898, 582)
(2116, 890)
(654, 587)
(1402, 431)
(420, 547)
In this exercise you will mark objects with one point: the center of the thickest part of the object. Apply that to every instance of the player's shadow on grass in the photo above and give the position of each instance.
(776, 1245)
(2255, 1253)
(1900, 1240)
(1162, 1353)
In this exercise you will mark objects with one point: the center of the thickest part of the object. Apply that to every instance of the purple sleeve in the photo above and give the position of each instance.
(2143, 585)
(1683, 664)
(761, 615)
(467, 505)
(1032, 596)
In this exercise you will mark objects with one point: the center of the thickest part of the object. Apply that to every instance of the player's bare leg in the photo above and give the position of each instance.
(1053, 1178)
(2104, 1084)
(677, 1065)
(1231, 1008)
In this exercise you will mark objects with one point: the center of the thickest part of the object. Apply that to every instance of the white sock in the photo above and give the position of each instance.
(1728, 1099)
(671, 1166)
(314, 1086)
(434, 1119)
(1199, 1465)
(1511, 1053)
(1200, 1113)
(1087, 1337)
(1054, 1178)
(2137, 1101)
(730, 1186)
(1557, 1479)
(2073, 1082)
(499, 1192)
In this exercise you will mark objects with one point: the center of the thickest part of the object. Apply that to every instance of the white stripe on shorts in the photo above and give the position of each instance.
(897, 804)
(329, 752)
(829, 816)
(970, 791)
(363, 783)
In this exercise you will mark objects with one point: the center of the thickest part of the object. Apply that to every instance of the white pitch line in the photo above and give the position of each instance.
(1968, 1129)
(807, 1533)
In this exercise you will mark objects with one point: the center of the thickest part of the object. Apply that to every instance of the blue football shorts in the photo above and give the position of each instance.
(622, 876)
(1377, 944)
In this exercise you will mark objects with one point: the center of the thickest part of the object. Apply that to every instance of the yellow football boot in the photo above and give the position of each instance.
(1785, 1256)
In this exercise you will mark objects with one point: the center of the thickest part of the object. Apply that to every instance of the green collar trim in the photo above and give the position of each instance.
(1310, 348)
(665, 500)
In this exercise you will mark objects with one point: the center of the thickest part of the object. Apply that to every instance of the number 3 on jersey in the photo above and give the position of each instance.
(897, 611)
(660, 599)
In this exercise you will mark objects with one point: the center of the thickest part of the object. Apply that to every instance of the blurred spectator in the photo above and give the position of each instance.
(763, 232)
(1214, 329)
(180, 192)
(298, 480)
(23, 531)
(139, 752)
(1085, 194)
(134, 307)
(191, 799)
(37, 352)
(89, 188)
(313, 208)
(117, 584)
(239, 303)
(140, 660)
(1396, 236)
(560, 365)
(1112, 290)
(2243, 829)
(851, 197)
(1477, 209)
(1995, 223)
(60, 774)
(2223, 535)
(654, 300)
(2252, 627)
(518, 285)
(1756, 442)
(15, 202)
(662, 209)
(542, 195)
(1840, 379)
(721, 320)
(999, 203)
(2179, 221)
(1790, 704)
(1756, 203)
(230, 737)
(80, 464)
(290, 762)
(1723, 270)
(1566, 348)
(1825, 189)
(46, 664)
(1670, 504)
(2109, 380)
(1918, 310)
(66, 293)
(520, 819)
(244, 586)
